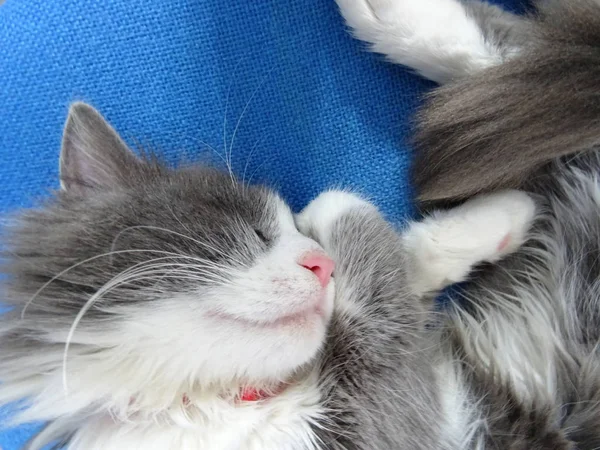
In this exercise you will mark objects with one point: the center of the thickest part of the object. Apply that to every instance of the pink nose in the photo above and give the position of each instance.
(319, 264)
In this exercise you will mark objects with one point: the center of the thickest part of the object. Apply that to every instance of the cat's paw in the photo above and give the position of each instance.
(437, 38)
(447, 245)
(507, 213)
(391, 21)
(321, 214)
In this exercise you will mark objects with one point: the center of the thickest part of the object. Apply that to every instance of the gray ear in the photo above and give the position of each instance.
(93, 156)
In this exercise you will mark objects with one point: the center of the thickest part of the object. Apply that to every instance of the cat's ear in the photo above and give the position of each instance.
(93, 155)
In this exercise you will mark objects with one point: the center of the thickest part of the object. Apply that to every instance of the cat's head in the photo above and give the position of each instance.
(151, 273)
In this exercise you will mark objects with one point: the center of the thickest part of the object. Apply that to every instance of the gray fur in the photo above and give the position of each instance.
(82, 165)
(556, 277)
(507, 126)
(523, 336)
(506, 31)
(500, 126)
(377, 370)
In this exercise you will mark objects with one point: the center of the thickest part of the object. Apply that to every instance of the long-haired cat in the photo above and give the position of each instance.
(160, 308)
(520, 107)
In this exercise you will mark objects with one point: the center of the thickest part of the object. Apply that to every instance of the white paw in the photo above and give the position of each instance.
(447, 245)
(437, 38)
(508, 214)
(320, 215)
(394, 20)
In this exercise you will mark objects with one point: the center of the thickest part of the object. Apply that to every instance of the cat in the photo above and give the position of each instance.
(161, 308)
(519, 106)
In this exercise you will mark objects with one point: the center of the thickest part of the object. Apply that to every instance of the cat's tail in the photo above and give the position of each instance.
(499, 127)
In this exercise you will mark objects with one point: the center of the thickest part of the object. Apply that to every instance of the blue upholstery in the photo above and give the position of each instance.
(307, 106)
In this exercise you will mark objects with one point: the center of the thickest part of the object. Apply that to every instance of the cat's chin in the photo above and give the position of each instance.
(298, 319)
(317, 312)
(179, 343)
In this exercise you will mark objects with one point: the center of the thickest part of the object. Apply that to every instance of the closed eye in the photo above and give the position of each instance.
(261, 236)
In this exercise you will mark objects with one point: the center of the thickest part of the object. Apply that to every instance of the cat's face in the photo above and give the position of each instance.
(184, 272)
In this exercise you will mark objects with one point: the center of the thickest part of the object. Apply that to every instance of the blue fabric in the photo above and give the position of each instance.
(307, 107)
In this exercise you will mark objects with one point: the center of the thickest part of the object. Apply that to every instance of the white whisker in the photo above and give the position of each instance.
(235, 130)
(138, 272)
(85, 261)
(248, 159)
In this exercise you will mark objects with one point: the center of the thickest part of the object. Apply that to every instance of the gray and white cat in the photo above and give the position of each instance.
(520, 107)
(159, 308)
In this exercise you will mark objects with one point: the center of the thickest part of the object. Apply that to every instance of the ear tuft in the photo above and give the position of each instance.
(93, 155)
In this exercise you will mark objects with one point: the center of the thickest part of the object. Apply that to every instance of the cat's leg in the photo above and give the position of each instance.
(436, 252)
(379, 367)
(440, 39)
(447, 245)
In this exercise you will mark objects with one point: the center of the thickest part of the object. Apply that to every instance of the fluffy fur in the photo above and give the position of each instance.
(129, 350)
(501, 126)
(530, 79)
(440, 39)
(147, 300)
(520, 352)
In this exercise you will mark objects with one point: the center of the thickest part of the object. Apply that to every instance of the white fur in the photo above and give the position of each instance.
(280, 423)
(436, 38)
(462, 426)
(520, 336)
(519, 344)
(447, 245)
(318, 217)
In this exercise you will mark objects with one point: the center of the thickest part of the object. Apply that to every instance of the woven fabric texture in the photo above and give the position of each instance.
(277, 85)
